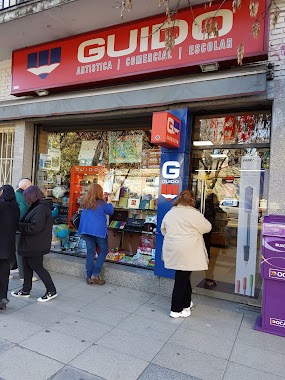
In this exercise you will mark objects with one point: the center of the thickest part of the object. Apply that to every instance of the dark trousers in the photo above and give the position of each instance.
(31, 264)
(182, 291)
(4, 277)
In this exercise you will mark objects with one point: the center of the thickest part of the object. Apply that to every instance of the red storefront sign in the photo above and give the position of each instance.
(137, 48)
(166, 130)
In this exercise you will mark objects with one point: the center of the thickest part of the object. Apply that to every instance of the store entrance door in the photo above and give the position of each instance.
(236, 229)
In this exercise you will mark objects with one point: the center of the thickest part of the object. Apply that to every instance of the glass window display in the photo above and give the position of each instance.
(230, 177)
(126, 165)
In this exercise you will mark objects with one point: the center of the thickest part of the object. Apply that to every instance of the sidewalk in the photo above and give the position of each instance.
(111, 332)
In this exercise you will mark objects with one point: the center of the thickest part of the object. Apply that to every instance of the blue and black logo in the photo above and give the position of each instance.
(42, 63)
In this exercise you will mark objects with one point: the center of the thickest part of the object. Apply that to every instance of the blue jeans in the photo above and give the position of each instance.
(94, 268)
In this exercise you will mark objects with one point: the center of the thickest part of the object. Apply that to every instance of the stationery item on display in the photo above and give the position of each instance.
(87, 152)
(229, 129)
(145, 204)
(125, 149)
(245, 129)
(108, 182)
(133, 203)
(123, 202)
(248, 216)
(134, 225)
(117, 224)
(251, 284)
(247, 210)
(75, 219)
(244, 285)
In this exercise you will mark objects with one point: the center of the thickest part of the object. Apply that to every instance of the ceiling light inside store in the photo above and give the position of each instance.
(202, 143)
(219, 155)
(213, 66)
(42, 92)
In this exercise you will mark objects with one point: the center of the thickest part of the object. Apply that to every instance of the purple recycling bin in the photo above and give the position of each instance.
(272, 318)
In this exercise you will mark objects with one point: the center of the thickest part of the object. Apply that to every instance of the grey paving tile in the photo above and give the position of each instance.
(148, 327)
(25, 365)
(221, 314)
(109, 364)
(211, 326)
(81, 328)
(269, 361)
(118, 302)
(5, 345)
(70, 373)
(56, 345)
(131, 293)
(217, 303)
(14, 305)
(191, 362)
(262, 340)
(15, 329)
(132, 344)
(237, 372)
(157, 313)
(206, 343)
(86, 292)
(248, 321)
(160, 301)
(67, 304)
(41, 314)
(102, 314)
(155, 372)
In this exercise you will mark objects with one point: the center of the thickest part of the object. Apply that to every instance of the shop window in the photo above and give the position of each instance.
(126, 165)
(230, 176)
(7, 137)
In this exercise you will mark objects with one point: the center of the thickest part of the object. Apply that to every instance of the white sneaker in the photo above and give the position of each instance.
(189, 308)
(34, 278)
(47, 297)
(13, 271)
(10, 277)
(182, 314)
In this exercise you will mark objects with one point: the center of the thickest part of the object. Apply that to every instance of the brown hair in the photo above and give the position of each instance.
(33, 194)
(186, 198)
(95, 193)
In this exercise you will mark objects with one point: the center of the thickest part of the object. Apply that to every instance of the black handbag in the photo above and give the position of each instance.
(75, 220)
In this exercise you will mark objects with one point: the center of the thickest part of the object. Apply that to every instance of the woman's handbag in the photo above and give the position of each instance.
(75, 219)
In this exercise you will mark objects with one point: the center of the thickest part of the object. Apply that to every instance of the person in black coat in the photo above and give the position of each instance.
(35, 241)
(9, 218)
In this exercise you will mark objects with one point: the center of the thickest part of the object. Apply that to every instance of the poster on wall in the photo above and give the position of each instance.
(87, 152)
(242, 129)
(51, 160)
(125, 149)
(247, 225)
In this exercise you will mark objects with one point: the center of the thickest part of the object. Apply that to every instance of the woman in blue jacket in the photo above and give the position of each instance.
(93, 229)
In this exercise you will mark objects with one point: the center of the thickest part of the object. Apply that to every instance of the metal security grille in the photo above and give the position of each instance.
(7, 137)
(4, 4)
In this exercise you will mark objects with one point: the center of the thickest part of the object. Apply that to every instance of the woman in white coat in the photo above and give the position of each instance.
(184, 249)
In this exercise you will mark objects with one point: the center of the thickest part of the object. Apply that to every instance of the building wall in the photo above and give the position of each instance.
(276, 92)
(5, 80)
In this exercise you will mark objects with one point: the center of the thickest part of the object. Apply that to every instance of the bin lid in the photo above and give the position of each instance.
(274, 225)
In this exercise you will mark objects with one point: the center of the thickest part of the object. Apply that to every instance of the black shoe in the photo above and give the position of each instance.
(47, 297)
(20, 294)
(3, 303)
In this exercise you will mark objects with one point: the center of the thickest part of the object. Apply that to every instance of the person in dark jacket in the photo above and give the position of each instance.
(35, 241)
(24, 184)
(9, 218)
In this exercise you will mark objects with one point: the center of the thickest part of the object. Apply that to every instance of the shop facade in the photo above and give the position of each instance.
(225, 120)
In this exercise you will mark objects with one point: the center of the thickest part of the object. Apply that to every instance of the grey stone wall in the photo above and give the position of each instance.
(276, 92)
(23, 151)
